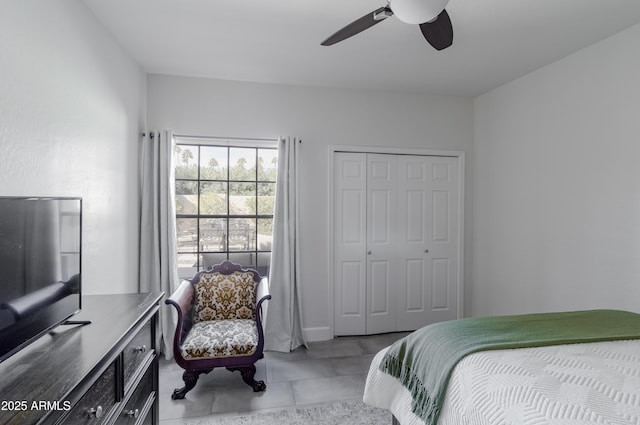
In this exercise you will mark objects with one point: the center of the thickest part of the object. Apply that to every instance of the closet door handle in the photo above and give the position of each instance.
(368, 252)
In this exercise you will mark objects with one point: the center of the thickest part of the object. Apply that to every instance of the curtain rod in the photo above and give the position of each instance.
(238, 139)
(188, 136)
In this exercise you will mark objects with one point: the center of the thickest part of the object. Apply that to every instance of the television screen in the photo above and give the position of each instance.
(40, 242)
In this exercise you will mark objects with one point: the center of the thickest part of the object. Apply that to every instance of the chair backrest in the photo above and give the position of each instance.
(225, 292)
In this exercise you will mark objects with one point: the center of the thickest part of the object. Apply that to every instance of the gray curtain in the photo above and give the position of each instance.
(158, 268)
(283, 327)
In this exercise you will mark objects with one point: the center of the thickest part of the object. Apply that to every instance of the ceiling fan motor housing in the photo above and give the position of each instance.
(417, 11)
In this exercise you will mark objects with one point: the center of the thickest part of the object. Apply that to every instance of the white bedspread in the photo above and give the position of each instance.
(576, 384)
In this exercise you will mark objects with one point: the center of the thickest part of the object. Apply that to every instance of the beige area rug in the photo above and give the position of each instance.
(348, 413)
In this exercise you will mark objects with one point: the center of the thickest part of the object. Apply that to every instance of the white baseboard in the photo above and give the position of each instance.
(317, 334)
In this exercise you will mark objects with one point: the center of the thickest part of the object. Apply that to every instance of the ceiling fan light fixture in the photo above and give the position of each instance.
(430, 15)
(417, 11)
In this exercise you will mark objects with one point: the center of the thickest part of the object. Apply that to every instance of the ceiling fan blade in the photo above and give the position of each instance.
(439, 32)
(359, 25)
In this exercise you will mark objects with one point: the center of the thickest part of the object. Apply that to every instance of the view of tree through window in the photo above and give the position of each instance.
(224, 206)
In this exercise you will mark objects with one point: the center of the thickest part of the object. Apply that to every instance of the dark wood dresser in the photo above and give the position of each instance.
(102, 373)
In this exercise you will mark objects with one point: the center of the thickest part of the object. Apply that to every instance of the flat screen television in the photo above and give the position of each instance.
(40, 270)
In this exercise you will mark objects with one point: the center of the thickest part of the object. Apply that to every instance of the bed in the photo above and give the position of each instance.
(584, 370)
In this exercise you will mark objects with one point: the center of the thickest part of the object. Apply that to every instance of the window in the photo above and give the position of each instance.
(224, 206)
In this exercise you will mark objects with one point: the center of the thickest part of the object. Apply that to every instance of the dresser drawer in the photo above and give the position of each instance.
(140, 404)
(94, 407)
(135, 352)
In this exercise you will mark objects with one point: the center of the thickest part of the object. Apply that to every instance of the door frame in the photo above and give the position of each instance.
(332, 149)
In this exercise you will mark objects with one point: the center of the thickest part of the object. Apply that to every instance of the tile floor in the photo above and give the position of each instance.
(327, 372)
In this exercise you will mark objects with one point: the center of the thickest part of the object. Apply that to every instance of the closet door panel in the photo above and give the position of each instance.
(440, 291)
(382, 259)
(444, 234)
(414, 206)
(378, 286)
(349, 243)
(414, 295)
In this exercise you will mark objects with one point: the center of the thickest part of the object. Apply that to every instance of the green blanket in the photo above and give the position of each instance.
(424, 360)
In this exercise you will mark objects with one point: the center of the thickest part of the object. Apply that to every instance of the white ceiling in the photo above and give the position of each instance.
(278, 41)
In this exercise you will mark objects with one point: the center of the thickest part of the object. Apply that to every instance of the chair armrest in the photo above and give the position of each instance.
(262, 295)
(181, 299)
(263, 288)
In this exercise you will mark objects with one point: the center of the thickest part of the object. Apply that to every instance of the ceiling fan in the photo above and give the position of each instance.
(434, 21)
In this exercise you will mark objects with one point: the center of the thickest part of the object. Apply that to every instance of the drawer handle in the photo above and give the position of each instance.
(95, 412)
(140, 349)
(133, 414)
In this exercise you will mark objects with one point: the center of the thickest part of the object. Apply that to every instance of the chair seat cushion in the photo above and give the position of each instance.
(220, 338)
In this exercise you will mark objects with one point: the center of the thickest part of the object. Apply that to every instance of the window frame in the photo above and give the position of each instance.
(226, 252)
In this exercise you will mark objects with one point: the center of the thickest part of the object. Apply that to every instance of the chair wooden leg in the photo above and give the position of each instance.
(190, 378)
(248, 373)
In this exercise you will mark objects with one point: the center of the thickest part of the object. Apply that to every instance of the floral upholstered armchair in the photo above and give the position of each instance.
(219, 324)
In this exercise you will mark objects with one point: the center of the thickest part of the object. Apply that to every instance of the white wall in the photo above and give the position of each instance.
(320, 117)
(71, 107)
(557, 185)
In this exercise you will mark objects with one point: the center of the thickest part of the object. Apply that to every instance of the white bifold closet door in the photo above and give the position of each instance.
(395, 242)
